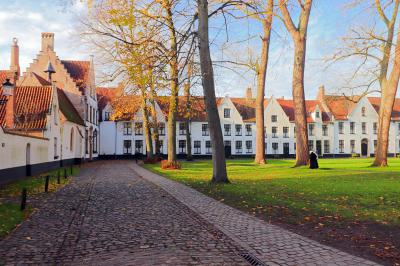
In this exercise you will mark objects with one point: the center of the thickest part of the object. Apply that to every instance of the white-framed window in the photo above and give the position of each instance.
(311, 129)
(238, 146)
(274, 118)
(138, 146)
(227, 129)
(311, 145)
(275, 147)
(341, 146)
(364, 127)
(285, 132)
(208, 147)
(341, 127)
(352, 145)
(274, 132)
(324, 130)
(138, 128)
(227, 113)
(248, 130)
(127, 128)
(127, 146)
(161, 129)
(204, 130)
(182, 146)
(107, 116)
(182, 128)
(238, 130)
(326, 146)
(197, 147)
(375, 128)
(352, 127)
(249, 146)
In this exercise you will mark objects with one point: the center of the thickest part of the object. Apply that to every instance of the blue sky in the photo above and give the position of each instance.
(328, 24)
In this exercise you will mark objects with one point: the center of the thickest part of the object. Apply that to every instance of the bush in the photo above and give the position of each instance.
(174, 165)
(398, 155)
(355, 155)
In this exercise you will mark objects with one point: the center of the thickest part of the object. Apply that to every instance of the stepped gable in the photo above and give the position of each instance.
(33, 103)
(79, 72)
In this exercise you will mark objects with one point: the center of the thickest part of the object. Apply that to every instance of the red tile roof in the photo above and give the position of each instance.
(79, 72)
(341, 106)
(41, 80)
(376, 103)
(104, 96)
(246, 108)
(32, 107)
(3, 76)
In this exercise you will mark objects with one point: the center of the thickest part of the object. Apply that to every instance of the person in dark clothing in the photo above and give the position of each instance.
(313, 160)
(136, 157)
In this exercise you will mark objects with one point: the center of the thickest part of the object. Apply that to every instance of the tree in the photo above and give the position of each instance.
(299, 36)
(207, 74)
(261, 71)
(188, 113)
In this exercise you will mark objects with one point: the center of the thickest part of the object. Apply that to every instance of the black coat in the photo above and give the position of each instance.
(313, 161)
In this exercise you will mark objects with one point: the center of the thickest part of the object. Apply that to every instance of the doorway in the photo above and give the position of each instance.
(364, 147)
(286, 149)
(318, 147)
(228, 148)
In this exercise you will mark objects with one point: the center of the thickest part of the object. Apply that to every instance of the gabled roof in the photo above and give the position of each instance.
(341, 106)
(3, 76)
(67, 108)
(246, 108)
(79, 72)
(30, 114)
(288, 108)
(376, 103)
(40, 80)
(105, 96)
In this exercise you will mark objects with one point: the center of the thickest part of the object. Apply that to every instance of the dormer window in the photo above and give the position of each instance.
(227, 113)
(363, 111)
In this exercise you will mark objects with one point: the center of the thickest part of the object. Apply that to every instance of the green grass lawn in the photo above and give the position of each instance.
(342, 189)
(10, 214)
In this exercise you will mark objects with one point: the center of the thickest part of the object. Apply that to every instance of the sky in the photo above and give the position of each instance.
(329, 23)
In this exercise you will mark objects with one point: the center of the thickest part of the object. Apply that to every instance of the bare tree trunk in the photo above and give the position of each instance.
(218, 154)
(189, 156)
(156, 136)
(146, 126)
(261, 75)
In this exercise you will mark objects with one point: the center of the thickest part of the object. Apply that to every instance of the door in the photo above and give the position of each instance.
(364, 147)
(28, 160)
(286, 149)
(228, 148)
(318, 147)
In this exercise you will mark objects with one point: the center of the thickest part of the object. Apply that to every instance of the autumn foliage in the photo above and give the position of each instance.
(173, 165)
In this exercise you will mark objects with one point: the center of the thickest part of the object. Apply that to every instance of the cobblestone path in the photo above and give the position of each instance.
(110, 216)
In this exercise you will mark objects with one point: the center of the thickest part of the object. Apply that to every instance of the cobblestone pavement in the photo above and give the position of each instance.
(269, 243)
(109, 216)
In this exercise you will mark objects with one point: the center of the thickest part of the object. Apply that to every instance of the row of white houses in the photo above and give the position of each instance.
(337, 127)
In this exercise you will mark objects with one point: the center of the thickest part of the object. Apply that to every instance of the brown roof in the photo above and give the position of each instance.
(104, 96)
(246, 108)
(341, 106)
(41, 80)
(79, 72)
(32, 107)
(376, 103)
(68, 109)
(3, 76)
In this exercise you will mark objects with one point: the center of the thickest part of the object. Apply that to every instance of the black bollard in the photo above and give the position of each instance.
(23, 199)
(58, 177)
(46, 184)
(72, 169)
(65, 173)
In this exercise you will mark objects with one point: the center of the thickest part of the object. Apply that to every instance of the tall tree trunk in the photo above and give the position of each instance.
(261, 75)
(218, 154)
(189, 156)
(146, 126)
(156, 137)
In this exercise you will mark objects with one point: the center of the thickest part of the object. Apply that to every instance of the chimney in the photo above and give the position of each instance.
(14, 66)
(321, 93)
(47, 41)
(249, 94)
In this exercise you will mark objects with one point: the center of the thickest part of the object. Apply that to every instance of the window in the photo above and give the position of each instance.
(249, 146)
(238, 130)
(55, 114)
(182, 128)
(341, 146)
(204, 130)
(324, 130)
(326, 146)
(364, 127)
(238, 146)
(311, 145)
(274, 132)
(363, 111)
(90, 114)
(375, 144)
(94, 141)
(275, 147)
(227, 129)
(265, 131)
(182, 146)
(138, 128)
(294, 146)
(317, 114)
(398, 128)
(208, 147)
(341, 124)
(127, 128)
(285, 132)
(274, 118)
(311, 129)
(71, 140)
(248, 130)
(86, 142)
(294, 131)
(107, 116)
(227, 113)
(375, 128)
(138, 146)
(352, 145)
(160, 146)
(87, 112)
(161, 129)
(127, 146)
(352, 126)
(55, 149)
(197, 147)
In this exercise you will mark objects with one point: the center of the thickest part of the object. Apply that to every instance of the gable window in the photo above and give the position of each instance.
(238, 146)
(182, 146)
(275, 147)
(227, 113)
(352, 126)
(138, 128)
(375, 128)
(363, 111)
(364, 127)
(274, 132)
(107, 116)
(274, 118)
(238, 130)
(227, 129)
(197, 147)
(204, 130)
(285, 132)
(326, 146)
(341, 146)
(352, 145)
(324, 130)
(182, 128)
(138, 146)
(311, 145)
(249, 146)
(127, 147)
(311, 129)
(208, 147)
(317, 114)
(127, 128)
(341, 126)
(248, 130)
(161, 129)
